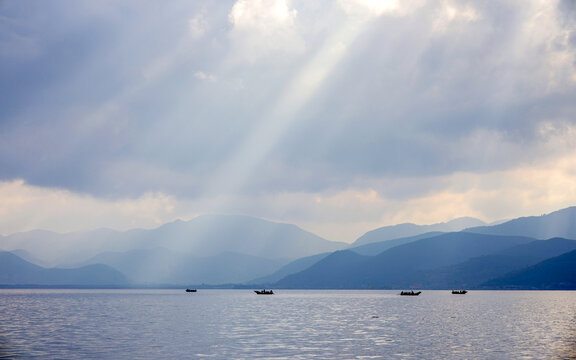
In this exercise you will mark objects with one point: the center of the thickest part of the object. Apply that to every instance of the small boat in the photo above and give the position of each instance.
(459, 292)
(264, 292)
(410, 293)
(191, 290)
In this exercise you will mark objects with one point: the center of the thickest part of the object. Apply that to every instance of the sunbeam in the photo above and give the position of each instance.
(239, 169)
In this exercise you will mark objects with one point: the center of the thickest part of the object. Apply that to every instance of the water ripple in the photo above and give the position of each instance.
(226, 324)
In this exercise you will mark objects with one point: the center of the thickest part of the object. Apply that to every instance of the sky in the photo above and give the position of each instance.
(339, 116)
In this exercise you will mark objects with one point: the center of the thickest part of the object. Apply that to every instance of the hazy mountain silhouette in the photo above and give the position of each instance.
(557, 273)
(17, 271)
(340, 270)
(368, 249)
(226, 267)
(306, 262)
(290, 268)
(409, 229)
(475, 271)
(163, 266)
(346, 269)
(233, 249)
(52, 249)
(203, 236)
(376, 248)
(212, 234)
(561, 223)
(145, 266)
(23, 254)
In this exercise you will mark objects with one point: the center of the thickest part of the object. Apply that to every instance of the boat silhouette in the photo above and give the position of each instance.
(264, 292)
(410, 293)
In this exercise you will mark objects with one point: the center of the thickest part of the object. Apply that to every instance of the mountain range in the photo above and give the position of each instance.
(561, 223)
(409, 230)
(467, 273)
(163, 266)
(209, 249)
(206, 235)
(220, 249)
(477, 272)
(17, 271)
(557, 273)
(391, 268)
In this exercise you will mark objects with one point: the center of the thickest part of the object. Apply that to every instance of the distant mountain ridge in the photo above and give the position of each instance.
(473, 272)
(346, 269)
(17, 271)
(163, 266)
(207, 235)
(557, 273)
(561, 223)
(213, 234)
(209, 249)
(408, 230)
(218, 249)
(290, 268)
(375, 248)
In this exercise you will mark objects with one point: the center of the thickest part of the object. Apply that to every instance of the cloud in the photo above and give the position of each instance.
(25, 207)
(372, 8)
(197, 26)
(204, 77)
(279, 103)
(346, 215)
(452, 14)
(263, 28)
(342, 215)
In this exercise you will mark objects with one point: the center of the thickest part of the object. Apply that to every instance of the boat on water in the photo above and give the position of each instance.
(410, 293)
(191, 290)
(264, 292)
(459, 292)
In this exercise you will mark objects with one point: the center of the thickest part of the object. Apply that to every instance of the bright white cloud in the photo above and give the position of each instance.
(262, 28)
(395, 8)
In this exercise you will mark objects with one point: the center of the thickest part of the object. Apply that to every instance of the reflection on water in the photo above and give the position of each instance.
(237, 324)
(567, 345)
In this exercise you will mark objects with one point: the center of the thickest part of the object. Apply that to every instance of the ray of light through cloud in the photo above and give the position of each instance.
(338, 116)
(304, 85)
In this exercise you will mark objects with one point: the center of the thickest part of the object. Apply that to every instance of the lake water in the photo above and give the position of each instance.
(237, 324)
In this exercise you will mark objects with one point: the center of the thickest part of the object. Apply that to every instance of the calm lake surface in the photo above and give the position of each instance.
(237, 324)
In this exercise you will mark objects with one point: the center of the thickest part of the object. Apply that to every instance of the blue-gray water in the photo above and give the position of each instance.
(237, 324)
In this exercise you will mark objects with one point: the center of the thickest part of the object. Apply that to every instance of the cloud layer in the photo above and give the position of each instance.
(336, 115)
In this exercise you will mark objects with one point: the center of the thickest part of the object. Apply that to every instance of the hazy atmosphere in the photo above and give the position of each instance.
(338, 116)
